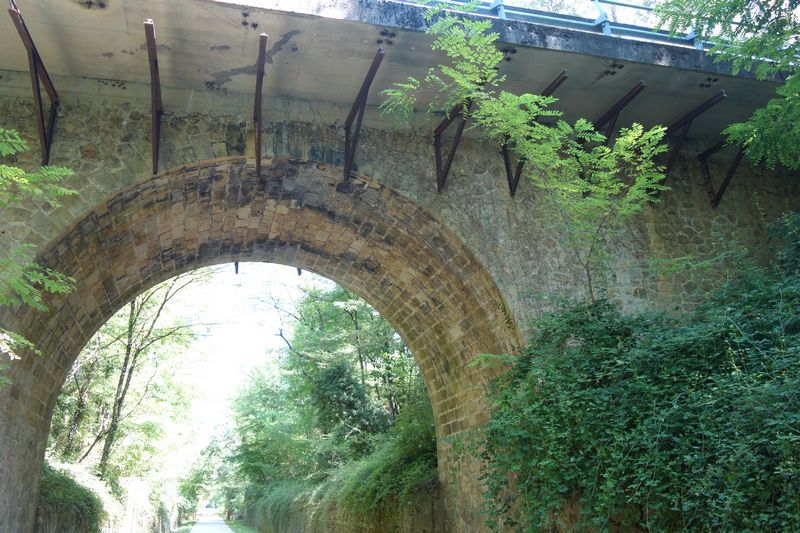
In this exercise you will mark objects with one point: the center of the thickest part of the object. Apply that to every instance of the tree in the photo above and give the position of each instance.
(213, 476)
(592, 185)
(349, 392)
(275, 437)
(22, 280)
(761, 36)
(334, 325)
(119, 383)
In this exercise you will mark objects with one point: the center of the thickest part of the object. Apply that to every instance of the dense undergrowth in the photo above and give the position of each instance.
(341, 437)
(663, 424)
(402, 466)
(67, 505)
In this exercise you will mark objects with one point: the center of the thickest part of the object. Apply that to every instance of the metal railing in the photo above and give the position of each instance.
(602, 24)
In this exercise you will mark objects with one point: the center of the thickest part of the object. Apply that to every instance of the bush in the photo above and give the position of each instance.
(402, 465)
(650, 422)
(279, 504)
(67, 503)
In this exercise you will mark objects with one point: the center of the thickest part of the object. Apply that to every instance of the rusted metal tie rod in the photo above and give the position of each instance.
(357, 115)
(156, 104)
(257, 119)
(715, 195)
(38, 73)
(679, 129)
(608, 121)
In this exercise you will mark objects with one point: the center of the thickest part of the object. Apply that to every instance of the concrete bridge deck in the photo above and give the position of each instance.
(320, 51)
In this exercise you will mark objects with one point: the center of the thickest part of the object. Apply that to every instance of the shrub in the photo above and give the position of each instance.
(67, 502)
(650, 422)
(402, 465)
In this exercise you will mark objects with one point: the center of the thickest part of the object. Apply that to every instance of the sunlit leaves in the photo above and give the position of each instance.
(22, 280)
(400, 100)
(17, 185)
(591, 186)
(772, 134)
(26, 282)
(11, 143)
(762, 37)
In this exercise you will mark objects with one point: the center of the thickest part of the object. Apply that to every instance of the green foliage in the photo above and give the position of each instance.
(124, 386)
(591, 185)
(23, 281)
(71, 502)
(346, 426)
(660, 424)
(400, 466)
(190, 488)
(18, 185)
(760, 36)
(343, 410)
(274, 504)
(274, 438)
(772, 134)
(334, 326)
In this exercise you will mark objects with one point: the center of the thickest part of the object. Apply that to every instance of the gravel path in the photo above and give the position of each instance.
(211, 524)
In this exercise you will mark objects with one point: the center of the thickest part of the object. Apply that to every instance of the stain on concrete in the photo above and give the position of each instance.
(224, 76)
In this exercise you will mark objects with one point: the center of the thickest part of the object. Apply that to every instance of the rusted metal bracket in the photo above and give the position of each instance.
(38, 74)
(443, 166)
(357, 115)
(257, 120)
(513, 175)
(555, 84)
(156, 104)
(608, 122)
(715, 195)
(679, 129)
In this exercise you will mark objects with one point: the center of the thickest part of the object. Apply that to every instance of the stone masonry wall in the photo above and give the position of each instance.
(423, 512)
(107, 142)
(366, 237)
(508, 240)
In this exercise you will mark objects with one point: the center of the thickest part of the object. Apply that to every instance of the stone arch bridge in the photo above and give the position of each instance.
(453, 260)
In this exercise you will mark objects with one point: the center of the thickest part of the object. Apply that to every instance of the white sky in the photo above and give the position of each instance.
(242, 337)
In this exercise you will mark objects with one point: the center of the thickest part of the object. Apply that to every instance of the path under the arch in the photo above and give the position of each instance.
(210, 523)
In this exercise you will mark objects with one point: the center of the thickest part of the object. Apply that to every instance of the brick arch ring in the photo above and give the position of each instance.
(368, 238)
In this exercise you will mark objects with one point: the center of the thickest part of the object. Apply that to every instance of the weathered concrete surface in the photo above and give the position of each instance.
(319, 52)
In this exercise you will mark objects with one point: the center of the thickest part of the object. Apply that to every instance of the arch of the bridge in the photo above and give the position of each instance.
(368, 238)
